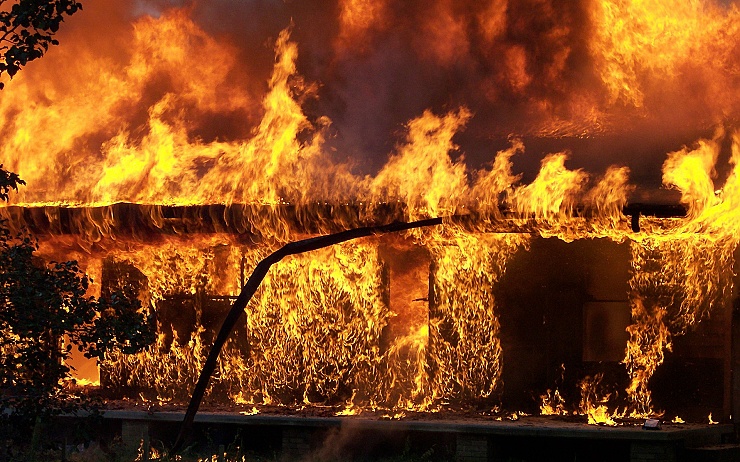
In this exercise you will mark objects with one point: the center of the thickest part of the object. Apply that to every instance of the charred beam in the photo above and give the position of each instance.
(253, 283)
(250, 222)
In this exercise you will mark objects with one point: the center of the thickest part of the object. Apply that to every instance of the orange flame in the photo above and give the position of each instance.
(139, 128)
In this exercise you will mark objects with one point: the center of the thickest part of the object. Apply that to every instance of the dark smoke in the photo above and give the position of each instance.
(530, 68)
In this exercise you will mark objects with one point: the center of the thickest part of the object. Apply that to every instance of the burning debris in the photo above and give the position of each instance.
(175, 180)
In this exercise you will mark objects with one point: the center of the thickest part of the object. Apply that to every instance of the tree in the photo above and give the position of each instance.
(27, 29)
(44, 311)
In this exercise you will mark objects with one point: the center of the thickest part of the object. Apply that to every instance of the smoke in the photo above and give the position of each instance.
(351, 438)
(529, 68)
(560, 74)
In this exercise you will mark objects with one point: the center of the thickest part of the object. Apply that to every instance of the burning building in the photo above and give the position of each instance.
(583, 153)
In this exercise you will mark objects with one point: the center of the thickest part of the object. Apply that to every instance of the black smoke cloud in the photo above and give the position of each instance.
(524, 68)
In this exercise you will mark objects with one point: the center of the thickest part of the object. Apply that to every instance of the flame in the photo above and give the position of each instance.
(141, 127)
(95, 93)
(253, 411)
(358, 19)
(464, 338)
(641, 46)
(551, 197)
(422, 176)
(679, 277)
(144, 446)
(552, 403)
(167, 165)
(335, 340)
(692, 173)
(594, 402)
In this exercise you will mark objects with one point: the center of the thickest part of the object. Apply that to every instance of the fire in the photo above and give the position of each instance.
(594, 403)
(253, 411)
(357, 19)
(641, 46)
(551, 197)
(465, 347)
(678, 278)
(176, 119)
(422, 176)
(552, 403)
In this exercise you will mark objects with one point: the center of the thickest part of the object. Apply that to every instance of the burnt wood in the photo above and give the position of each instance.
(251, 223)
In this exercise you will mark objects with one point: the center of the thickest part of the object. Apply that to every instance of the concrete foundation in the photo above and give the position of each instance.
(133, 434)
(474, 440)
(471, 448)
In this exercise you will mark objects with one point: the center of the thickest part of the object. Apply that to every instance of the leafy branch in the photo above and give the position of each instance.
(27, 30)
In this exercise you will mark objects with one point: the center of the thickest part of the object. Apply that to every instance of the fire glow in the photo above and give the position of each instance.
(172, 112)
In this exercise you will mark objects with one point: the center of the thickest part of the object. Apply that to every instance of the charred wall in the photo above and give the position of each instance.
(564, 308)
